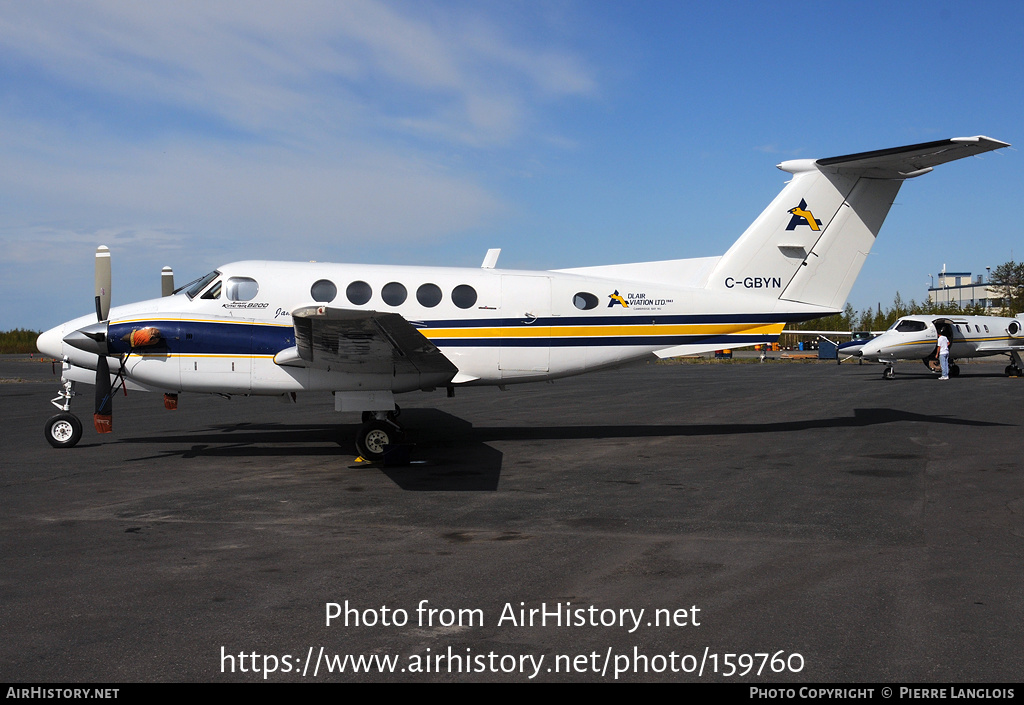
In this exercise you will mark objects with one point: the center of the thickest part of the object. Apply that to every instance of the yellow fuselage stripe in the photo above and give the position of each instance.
(598, 331)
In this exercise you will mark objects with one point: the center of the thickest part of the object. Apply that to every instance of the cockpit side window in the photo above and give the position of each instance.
(201, 284)
(910, 326)
(213, 292)
(241, 289)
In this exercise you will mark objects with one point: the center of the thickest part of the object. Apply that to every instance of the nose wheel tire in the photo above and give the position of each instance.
(63, 430)
(889, 373)
(373, 436)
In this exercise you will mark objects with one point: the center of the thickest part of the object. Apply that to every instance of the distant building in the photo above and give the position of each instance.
(960, 289)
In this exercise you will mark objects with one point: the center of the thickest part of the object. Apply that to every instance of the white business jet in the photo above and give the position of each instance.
(915, 338)
(366, 333)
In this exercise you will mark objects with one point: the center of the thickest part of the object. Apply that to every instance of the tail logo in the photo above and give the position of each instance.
(616, 299)
(802, 216)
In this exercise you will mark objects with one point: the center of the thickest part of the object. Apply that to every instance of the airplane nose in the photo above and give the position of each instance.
(49, 343)
(870, 351)
(90, 339)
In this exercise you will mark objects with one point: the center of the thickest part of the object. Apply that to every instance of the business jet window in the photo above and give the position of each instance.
(200, 284)
(463, 296)
(584, 301)
(394, 294)
(429, 295)
(359, 293)
(323, 291)
(242, 289)
(911, 326)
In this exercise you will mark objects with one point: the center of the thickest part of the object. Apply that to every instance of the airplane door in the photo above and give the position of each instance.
(525, 310)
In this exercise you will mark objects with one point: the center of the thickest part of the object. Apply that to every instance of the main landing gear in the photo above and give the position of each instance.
(379, 430)
(1016, 366)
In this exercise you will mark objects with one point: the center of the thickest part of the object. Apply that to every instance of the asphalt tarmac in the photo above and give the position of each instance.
(849, 528)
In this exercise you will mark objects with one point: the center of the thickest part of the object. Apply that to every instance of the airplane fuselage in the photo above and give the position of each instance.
(915, 337)
(496, 326)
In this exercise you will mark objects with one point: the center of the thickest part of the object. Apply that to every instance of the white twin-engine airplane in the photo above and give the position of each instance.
(366, 333)
(915, 338)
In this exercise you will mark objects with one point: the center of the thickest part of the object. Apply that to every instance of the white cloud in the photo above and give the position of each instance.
(283, 67)
(236, 129)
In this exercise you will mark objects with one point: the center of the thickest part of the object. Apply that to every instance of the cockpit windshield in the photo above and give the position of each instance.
(200, 284)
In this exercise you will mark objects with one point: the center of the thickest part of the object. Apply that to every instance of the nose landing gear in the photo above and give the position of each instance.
(63, 430)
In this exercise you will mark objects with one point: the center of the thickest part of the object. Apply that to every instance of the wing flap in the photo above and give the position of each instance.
(364, 342)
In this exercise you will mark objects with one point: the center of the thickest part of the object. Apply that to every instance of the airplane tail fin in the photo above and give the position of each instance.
(808, 246)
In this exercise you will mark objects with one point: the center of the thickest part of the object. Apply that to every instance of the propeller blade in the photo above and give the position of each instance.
(102, 282)
(166, 281)
(103, 418)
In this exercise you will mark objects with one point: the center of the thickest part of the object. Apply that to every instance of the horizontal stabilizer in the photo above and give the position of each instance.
(912, 160)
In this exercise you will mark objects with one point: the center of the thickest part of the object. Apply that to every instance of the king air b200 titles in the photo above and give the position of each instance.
(366, 333)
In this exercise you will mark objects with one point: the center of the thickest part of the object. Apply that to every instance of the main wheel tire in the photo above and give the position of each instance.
(373, 436)
(63, 430)
(889, 373)
(954, 370)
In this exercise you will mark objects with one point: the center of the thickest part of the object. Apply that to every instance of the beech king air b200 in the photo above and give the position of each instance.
(915, 338)
(365, 333)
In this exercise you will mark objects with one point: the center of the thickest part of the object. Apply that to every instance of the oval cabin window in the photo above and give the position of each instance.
(464, 296)
(429, 295)
(394, 294)
(584, 301)
(323, 291)
(359, 293)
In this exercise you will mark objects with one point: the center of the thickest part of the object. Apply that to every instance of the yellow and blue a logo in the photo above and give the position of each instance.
(616, 299)
(802, 216)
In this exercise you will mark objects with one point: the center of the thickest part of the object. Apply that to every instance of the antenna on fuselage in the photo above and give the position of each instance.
(491, 258)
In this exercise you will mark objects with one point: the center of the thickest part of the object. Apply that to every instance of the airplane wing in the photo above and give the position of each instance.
(836, 333)
(913, 160)
(363, 342)
(1001, 349)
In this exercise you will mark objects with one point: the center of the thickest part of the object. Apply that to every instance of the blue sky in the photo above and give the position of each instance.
(565, 132)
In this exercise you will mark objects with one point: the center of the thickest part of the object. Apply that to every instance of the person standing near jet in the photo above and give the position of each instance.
(943, 344)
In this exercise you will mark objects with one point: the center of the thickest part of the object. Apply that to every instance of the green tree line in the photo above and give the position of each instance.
(1007, 280)
(18, 341)
(878, 319)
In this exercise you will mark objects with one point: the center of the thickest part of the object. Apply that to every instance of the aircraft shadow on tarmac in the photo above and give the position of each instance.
(450, 454)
